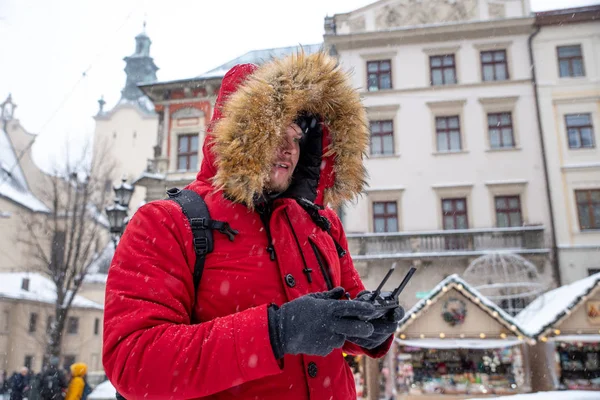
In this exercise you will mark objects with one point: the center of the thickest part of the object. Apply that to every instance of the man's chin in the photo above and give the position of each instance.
(278, 187)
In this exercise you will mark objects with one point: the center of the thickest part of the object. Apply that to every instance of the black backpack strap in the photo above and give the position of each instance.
(195, 209)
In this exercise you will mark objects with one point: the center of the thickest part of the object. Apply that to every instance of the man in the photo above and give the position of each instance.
(52, 381)
(19, 384)
(285, 141)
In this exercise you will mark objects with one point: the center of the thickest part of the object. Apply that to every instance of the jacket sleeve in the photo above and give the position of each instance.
(353, 284)
(150, 349)
(75, 390)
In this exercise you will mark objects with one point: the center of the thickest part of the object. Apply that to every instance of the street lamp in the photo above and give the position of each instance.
(123, 193)
(117, 213)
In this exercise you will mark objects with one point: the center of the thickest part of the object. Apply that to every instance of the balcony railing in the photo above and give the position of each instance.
(447, 243)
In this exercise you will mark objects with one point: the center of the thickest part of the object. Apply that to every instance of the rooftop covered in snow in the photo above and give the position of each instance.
(37, 288)
(213, 77)
(13, 185)
(555, 305)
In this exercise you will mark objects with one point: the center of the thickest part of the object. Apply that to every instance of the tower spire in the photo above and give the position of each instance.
(140, 67)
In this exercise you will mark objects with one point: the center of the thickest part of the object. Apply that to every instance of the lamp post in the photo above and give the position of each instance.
(117, 213)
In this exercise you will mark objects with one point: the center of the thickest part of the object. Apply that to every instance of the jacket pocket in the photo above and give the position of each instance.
(325, 266)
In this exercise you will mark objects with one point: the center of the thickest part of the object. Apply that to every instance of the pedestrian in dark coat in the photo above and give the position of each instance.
(19, 384)
(285, 145)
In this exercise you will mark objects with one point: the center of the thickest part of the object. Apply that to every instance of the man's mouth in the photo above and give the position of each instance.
(282, 165)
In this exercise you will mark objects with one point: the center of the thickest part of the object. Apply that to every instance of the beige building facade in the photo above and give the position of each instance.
(567, 62)
(455, 162)
(27, 309)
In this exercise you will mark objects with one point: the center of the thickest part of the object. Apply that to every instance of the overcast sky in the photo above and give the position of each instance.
(46, 46)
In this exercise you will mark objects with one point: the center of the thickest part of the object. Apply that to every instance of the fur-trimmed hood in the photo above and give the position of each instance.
(254, 106)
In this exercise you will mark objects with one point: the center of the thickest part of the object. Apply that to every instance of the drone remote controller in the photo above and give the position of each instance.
(385, 301)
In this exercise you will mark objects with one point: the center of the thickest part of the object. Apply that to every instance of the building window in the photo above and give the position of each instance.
(28, 362)
(96, 326)
(570, 61)
(588, 208)
(33, 318)
(443, 69)
(49, 322)
(187, 152)
(68, 360)
(455, 213)
(73, 325)
(448, 133)
(593, 271)
(382, 137)
(494, 66)
(579, 131)
(379, 75)
(6, 315)
(385, 216)
(508, 211)
(500, 129)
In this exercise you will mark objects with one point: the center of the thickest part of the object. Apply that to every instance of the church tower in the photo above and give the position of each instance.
(139, 68)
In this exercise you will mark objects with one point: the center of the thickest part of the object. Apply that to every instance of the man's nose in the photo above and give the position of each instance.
(288, 147)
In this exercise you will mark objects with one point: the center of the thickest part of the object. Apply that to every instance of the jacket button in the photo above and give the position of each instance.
(312, 369)
(290, 280)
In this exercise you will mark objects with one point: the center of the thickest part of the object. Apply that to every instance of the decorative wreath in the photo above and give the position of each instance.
(454, 311)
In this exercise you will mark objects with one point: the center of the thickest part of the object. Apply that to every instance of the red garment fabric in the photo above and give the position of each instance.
(151, 349)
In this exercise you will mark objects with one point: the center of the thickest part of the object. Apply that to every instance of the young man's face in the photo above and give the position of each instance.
(286, 160)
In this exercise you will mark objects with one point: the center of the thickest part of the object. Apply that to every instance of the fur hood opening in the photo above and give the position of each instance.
(254, 107)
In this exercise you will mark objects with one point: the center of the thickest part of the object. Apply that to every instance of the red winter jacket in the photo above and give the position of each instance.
(151, 349)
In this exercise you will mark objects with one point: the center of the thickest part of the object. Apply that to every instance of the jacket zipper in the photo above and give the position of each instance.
(265, 212)
(322, 265)
(306, 270)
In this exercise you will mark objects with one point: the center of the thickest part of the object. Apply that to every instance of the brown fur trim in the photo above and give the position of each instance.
(255, 116)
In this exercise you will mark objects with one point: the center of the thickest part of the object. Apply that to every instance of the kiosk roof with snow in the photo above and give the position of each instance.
(572, 309)
(454, 309)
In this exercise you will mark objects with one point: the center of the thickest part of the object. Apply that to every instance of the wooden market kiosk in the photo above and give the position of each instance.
(566, 323)
(457, 344)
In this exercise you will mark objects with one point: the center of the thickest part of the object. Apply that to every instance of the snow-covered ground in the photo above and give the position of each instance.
(104, 391)
(564, 395)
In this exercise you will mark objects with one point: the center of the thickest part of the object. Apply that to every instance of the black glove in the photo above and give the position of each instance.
(308, 170)
(383, 327)
(317, 323)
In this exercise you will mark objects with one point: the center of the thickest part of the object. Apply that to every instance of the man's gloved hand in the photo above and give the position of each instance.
(383, 327)
(308, 170)
(317, 323)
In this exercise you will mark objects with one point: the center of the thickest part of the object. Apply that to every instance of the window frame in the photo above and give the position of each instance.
(96, 326)
(49, 322)
(493, 63)
(508, 210)
(386, 215)
(379, 74)
(447, 131)
(68, 360)
(33, 322)
(72, 327)
(570, 61)
(442, 68)
(594, 225)
(500, 127)
(454, 200)
(579, 128)
(189, 153)
(28, 361)
(381, 135)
